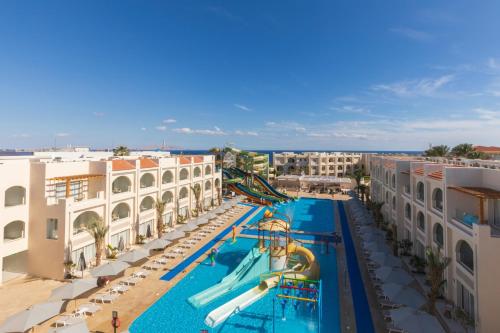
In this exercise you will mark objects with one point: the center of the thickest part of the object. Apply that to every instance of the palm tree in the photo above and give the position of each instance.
(218, 156)
(160, 210)
(98, 230)
(441, 150)
(362, 188)
(367, 194)
(377, 212)
(436, 265)
(358, 174)
(462, 150)
(197, 196)
(121, 151)
(477, 155)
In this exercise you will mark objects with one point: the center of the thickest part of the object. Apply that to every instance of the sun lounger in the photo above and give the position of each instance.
(395, 330)
(67, 320)
(131, 281)
(89, 308)
(141, 274)
(118, 289)
(160, 261)
(152, 266)
(389, 305)
(105, 298)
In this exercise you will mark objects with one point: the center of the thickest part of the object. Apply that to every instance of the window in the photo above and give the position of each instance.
(217, 183)
(121, 211)
(88, 254)
(183, 211)
(419, 249)
(438, 235)
(387, 177)
(420, 191)
(408, 211)
(83, 220)
(168, 177)
(146, 204)
(146, 228)
(167, 197)
(465, 255)
(184, 174)
(208, 170)
(167, 218)
(121, 184)
(14, 230)
(465, 299)
(14, 196)
(123, 236)
(197, 172)
(496, 213)
(393, 181)
(437, 199)
(421, 221)
(208, 185)
(147, 180)
(51, 229)
(183, 193)
(394, 203)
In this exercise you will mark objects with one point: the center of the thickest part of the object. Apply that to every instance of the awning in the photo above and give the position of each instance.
(478, 192)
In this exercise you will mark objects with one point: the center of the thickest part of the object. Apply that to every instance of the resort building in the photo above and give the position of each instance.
(47, 203)
(249, 160)
(315, 163)
(453, 207)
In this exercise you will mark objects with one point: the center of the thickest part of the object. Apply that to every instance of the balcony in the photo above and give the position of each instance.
(465, 218)
(147, 180)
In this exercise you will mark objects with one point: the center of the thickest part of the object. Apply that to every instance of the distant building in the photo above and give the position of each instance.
(316, 163)
(491, 151)
(249, 160)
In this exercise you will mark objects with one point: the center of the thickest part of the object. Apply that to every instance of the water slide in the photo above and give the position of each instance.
(252, 195)
(264, 183)
(251, 267)
(241, 302)
(311, 271)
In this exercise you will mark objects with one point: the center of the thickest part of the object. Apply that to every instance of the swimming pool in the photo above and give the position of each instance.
(172, 312)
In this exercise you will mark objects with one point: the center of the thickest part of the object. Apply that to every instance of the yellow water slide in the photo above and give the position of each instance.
(312, 270)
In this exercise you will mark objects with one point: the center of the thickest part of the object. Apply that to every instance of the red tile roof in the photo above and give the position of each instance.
(148, 163)
(487, 150)
(438, 175)
(198, 159)
(184, 160)
(419, 171)
(120, 165)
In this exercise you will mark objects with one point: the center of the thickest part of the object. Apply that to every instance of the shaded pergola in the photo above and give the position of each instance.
(481, 193)
(67, 180)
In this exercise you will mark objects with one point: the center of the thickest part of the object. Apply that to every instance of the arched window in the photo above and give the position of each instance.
(208, 170)
(208, 185)
(439, 234)
(83, 220)
(168, 177)
(121, 211)
(217, 183)
(147, 203)
(183, 193)
(465, 255)
(387, 197)
(420, 191)
(421, 221)
(184, 174)
(393, 181)
(387, 177)
(14, 230)
(168, 197)
(394, 203)
(437, 199)
(147, 180)
(408, 211)
(121, 184)
(197, 172)
(14, 196)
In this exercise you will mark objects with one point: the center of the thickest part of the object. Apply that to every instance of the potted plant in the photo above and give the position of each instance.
(112, 252)
(418, 264)
(69, 267)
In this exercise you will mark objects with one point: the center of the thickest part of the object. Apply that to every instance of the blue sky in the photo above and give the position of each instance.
(257, 74)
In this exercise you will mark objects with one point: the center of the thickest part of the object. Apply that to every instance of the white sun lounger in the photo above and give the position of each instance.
(141, 274)
(89, 308)
(131, 281)
(118, 289)
(105, 298)
(161, 261)
(152, 266)
(67, 320)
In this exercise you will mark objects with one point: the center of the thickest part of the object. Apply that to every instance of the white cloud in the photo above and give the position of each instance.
(245, 133)
(414, 34)
(493, 63)
(161, 128)
(350, 109)
(21, 136)
(286, 125)
(98, 114)
(169, 121)
(187, 130)
(242, 107)
(61, 135)
(143, 128)
(412, 88)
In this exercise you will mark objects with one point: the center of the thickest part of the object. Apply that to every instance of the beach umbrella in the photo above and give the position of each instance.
(415, 321)
(211, 216)
(201, 221)
(394, 275)
(220, 210)
(187, 227)
(385, 259)
(157, 244)
(78, 327)
(73, 289)
(82, 263)
(34, 315)
(134, 256)
(110, 269)
(149, 234)
(173, 235)
(121, 244)
(226, 206)
(403, 295)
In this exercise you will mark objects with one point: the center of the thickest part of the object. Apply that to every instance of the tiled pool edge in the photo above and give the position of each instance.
(364, 321)
(189, 260)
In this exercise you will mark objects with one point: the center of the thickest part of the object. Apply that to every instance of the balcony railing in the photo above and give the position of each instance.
(465, 218)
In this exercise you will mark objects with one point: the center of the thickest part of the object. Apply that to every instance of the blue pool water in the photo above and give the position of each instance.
(172, 312)
(308, 214)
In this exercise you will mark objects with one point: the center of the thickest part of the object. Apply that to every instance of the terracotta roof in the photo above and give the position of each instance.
(198, 159)
(184, 160)
(487, 149)
(419, 171)
(436, 175)
(405, 172)
(478, 192)
(119, 165)
(390, 164)
(148, 163)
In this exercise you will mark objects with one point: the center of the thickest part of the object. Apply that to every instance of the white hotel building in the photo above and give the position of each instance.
(315, 163)
(456, 208)
(45, 203)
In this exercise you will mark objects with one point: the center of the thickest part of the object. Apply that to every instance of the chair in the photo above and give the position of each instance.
(141, 274)
(68, 320)
(118, 289)
(161, 261)
(131, 281)
(152, 266)
(105, 298)
(89, 308)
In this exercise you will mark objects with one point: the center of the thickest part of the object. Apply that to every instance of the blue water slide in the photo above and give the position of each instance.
(250, 268)
(248, 192)
(271, 189)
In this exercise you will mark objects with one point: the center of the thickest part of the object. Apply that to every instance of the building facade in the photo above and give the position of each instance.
(454, 208)
(315, 163)
(47, 204)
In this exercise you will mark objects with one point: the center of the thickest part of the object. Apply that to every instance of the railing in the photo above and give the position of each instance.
(465, 218)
